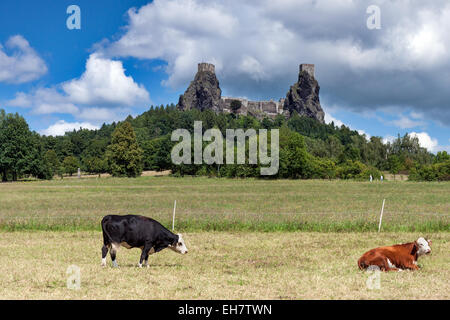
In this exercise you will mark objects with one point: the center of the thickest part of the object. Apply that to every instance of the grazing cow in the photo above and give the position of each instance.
(396, 257)
(133, 231)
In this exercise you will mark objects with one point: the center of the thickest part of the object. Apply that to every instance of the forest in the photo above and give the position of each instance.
(308, 149)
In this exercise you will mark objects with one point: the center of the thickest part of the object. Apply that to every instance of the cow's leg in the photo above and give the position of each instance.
(380, 262)
(146, 261)
(389, 266)
(112, 252)
(412, 266)
(104, 253)
(144, 255)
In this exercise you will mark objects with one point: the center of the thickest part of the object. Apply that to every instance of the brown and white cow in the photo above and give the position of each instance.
(396, 257)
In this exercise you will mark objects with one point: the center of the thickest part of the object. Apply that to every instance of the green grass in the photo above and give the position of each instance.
(206, 204)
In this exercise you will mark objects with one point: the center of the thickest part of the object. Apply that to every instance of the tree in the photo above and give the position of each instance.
(156, 154)
(96, 165)
(16, 145)
(235, 105)
(295, 161)
(394, 164)
(52, 159)
(70, 165)
(442, 156)
(36, 163)
(123, 154)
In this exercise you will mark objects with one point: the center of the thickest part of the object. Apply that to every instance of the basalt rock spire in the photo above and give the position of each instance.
(303, 96)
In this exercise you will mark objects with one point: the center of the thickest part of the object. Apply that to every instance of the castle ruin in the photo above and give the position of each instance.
(206, 67)
(309, 68)
(204, 93)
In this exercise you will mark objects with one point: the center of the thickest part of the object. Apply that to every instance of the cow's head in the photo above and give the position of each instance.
(423, 246)
(179, 245)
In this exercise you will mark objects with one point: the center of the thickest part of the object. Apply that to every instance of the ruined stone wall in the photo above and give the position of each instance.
(255, 108)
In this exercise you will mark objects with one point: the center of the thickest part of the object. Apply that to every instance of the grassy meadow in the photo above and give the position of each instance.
(205, 204)
(247, 239)
(219, 265)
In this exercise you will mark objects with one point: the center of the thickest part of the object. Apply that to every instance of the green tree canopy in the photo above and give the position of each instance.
(70, 165)
(16, 145)
(124, 156)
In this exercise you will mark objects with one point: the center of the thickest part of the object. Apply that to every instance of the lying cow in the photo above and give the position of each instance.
(396, 257)
(133, 231)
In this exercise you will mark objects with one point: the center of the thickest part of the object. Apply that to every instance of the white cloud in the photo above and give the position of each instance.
(102, 93)
(61, 127)
(388, 138)
(405, 122)
(426, 141)
(329, 118)
(104, 114)
(257, 46)
(362, 132)
(416, 115)
(104, 82)
(23, 64)
(44, 101)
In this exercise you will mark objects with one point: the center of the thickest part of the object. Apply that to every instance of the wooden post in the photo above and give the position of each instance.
(173, 219)
(381, 216)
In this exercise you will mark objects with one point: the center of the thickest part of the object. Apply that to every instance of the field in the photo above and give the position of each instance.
(219, 265)
(247, 239)
(228, 204)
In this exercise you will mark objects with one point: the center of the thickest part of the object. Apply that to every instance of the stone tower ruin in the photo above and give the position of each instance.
(309, 68)
(203, 92)
(206, 67)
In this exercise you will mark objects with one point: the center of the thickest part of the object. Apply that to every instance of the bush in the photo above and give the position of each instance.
(435, 172)
(350, 169)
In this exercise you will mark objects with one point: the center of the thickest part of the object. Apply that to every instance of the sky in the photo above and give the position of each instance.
(130, 54)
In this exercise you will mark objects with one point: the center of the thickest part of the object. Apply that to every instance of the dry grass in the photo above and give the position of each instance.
(296, 265)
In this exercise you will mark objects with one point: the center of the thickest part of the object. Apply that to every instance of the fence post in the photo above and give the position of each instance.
(173, 219)
(381, 216)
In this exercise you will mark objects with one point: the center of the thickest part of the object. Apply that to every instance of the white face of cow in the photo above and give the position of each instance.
(423, 246)
(180, 246)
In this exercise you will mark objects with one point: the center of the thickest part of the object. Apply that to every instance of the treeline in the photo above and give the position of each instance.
(308, 149)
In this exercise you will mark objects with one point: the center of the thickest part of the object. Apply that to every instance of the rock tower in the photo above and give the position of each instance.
(203, 92)
(303, 96)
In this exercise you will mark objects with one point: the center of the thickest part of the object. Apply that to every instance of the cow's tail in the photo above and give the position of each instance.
(105, 232)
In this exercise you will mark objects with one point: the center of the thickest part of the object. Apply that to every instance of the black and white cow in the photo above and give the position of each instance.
(132, 231)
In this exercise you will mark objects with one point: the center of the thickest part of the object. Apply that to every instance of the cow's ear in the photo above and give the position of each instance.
(429, 242)
(415, 248)
(175, 241)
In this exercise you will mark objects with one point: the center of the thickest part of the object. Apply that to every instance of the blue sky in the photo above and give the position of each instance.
(130, 54)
